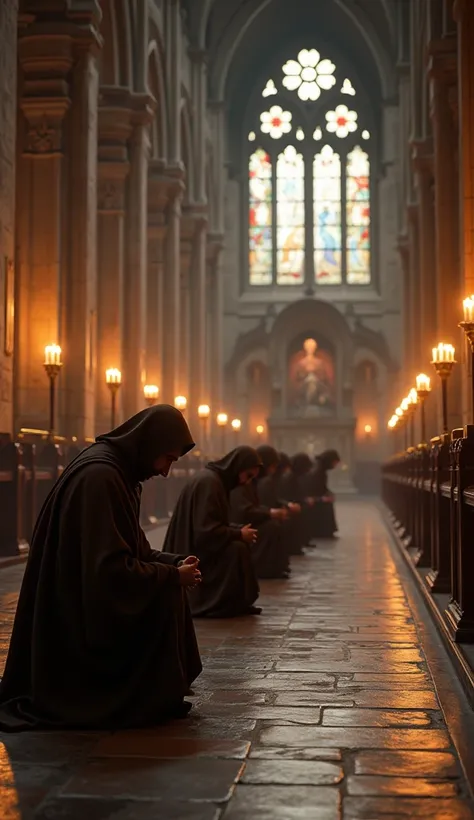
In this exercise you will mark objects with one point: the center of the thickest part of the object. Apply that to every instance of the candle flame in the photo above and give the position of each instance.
(113, 376)
(52, 354)
(204, 411)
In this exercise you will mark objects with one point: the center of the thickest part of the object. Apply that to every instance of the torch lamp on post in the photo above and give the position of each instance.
(468, 326)
(181, 403)
(236, 425)
(260, 429)
(222, 419)
(204, 411)
(393, 425)
(113, 378)
(443, 362)
(412, 405)
(404, 408)
(423, 390)
(151, 393)
(52, 365)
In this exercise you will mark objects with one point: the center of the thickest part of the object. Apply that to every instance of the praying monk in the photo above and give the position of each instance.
(269, 553)
(293, 490)
(274, 465)
(103, 637)
(201, 526)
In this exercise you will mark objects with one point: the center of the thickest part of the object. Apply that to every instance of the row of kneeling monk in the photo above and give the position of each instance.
(103, 635)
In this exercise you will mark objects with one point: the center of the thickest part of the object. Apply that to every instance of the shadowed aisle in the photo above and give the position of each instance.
(321, 708)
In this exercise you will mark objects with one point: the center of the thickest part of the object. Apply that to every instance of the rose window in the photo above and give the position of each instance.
(275, 122)
(341, 121)
(309, 74)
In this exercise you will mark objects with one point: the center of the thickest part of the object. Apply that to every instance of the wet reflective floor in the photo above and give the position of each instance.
(322, 708)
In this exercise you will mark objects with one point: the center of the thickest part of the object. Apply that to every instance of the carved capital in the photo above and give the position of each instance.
(422, 157)
(44, 132)
(111, 189)
(215, 244)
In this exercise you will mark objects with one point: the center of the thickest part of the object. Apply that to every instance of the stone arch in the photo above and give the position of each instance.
(157, 87)
(116, 65)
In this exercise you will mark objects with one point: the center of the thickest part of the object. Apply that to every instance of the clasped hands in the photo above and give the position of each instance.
(189, 572)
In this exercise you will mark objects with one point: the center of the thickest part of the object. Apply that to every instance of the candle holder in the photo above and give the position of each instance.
(443, 362)
(204, 411)
(236, 425)
(412, 405)
(151, 393)
(222, 419)
(113, 378)
(52, 365)
(468, 327)
(181, 403)
(423, 390)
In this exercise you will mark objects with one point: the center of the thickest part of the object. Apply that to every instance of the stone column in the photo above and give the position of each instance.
(214, 324)
(422, 158)
(158, 194)
(187, 340)
(8, 61)
(442, 70)
(172, 316)
(414, 285)
(114, 132)
(79, 274)
(464, 14)
(404, 251)
(133, 352)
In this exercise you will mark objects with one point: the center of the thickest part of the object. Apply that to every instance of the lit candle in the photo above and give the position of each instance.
(405, 405)
(151, 391)
(368, 429)
(468, 306)
(443, 353)
(399, 412)
(413, 396)
(222, 419)
(260, 428)
(113, 376)
(236, 424)
(423, 383)
(204, 411)
(181, 402)
(52, 354)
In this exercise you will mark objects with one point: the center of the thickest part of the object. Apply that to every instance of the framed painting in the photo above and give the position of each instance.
(9, 317)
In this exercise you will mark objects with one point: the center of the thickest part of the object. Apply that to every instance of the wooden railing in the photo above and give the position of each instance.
(29, 468)
(429, 491)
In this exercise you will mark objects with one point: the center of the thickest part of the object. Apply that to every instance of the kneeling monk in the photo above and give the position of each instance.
(201, 526)
(103, 636)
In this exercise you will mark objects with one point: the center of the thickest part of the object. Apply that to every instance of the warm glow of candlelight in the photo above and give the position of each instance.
(405, 404)
(393, 422)
(260, 429)
(423, 383)
(204, 411)
(443, 353)
(151, 391)
(398, 412)
(222, 419)
(368, 429)
(113, 376)
(52, 354)
(468, 306)
(180, 402)
(236, 424)
(413, 396)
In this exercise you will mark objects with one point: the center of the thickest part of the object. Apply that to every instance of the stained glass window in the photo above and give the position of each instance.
(260, 218)
(327, 217)
(358, 217)
(290, 217)
(308, 74)
(276, 122)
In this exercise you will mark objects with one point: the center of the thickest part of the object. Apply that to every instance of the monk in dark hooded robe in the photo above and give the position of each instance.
(201, 526)
(273, 465)
(293, 489)
(323, 519)
(103, 636)
(269, 553)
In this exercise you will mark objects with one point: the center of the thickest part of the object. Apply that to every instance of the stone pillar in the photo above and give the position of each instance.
(187, 340)
(8, 69)
(172, 316)
(442, 70)
(414, 331)
(214, 324)
(79, 274)
(408, 352)
(158, 194)
(133, 352)
(114, 132)
(422, 158)
(173, 73)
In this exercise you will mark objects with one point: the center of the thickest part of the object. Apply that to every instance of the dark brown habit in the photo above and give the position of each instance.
(292, 488)
(323, 519)
(103, 635)
(268, 486)
(201, 526)
(269, 552)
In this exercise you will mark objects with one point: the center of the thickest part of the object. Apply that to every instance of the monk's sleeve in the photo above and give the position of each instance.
(245, 507)
(149, 554)
(113, 576)
(211, 528)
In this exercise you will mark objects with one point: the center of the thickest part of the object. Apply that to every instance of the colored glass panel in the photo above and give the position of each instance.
(260, 218)
(358, 217)
(290, 217)
(327, 217)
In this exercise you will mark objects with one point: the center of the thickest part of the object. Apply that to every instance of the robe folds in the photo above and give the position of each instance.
(269, 553)
(103, 635)
(292, 530)
(201, 526)
(323, 519)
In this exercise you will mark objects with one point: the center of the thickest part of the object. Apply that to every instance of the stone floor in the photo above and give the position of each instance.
(322, 708)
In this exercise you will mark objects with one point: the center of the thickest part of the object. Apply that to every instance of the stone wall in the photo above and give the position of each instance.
(8, 40)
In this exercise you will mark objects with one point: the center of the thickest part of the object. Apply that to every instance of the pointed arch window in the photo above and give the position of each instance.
(309, 179)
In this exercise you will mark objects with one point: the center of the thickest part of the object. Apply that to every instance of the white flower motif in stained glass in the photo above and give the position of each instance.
(358, 217)
(348, 88)
(252, 136)
(317, 134)
(269, 89)
(300, 134)
(276, 122)
(290, 217)
(341, 121)
(327, 217)
(309, 74)
(260, 218)
(365, 135)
